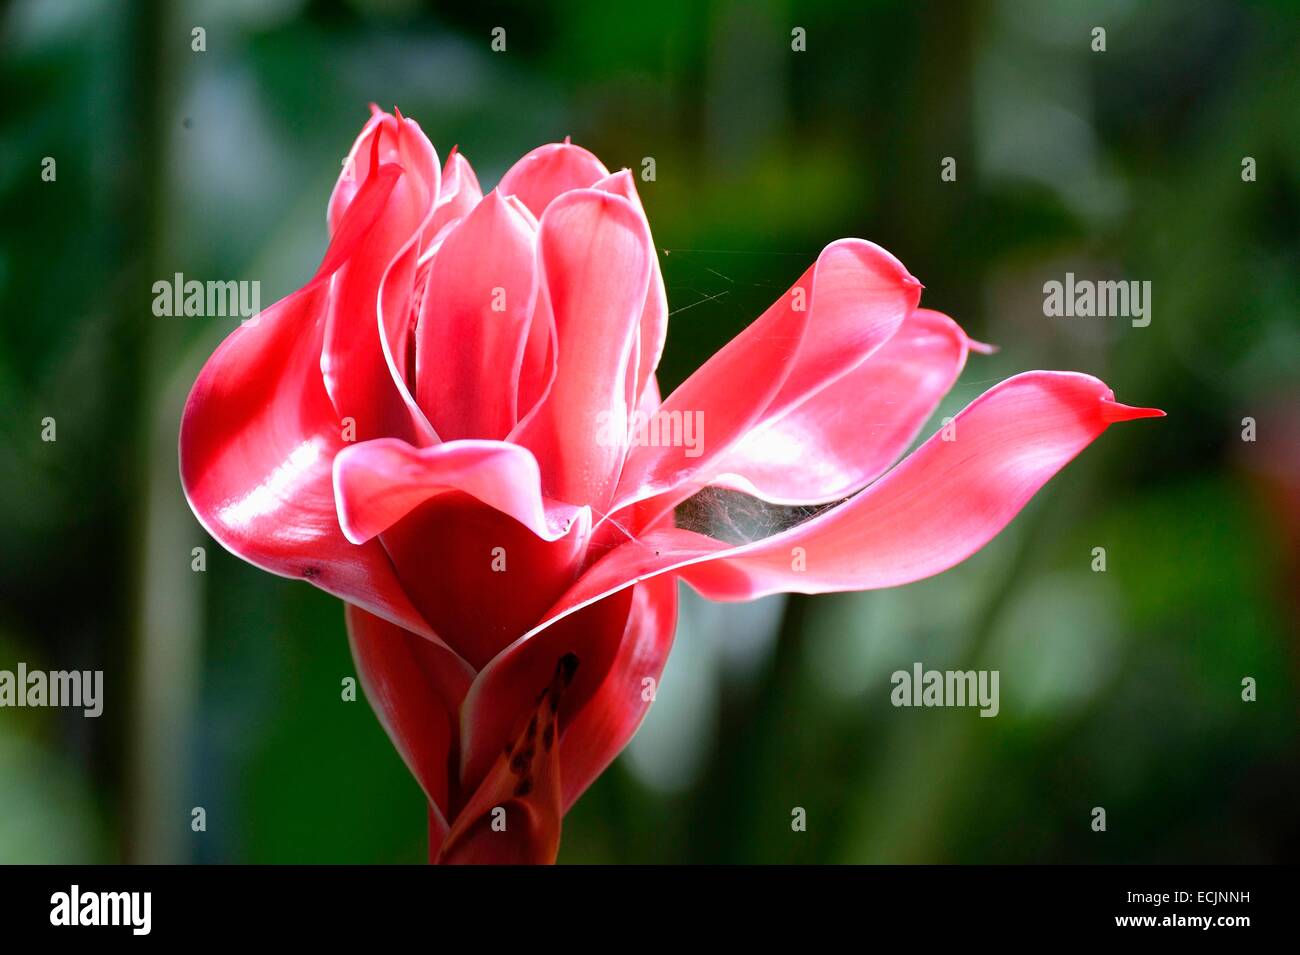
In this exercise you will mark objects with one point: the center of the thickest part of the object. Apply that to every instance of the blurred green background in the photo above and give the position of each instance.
(1119, 689)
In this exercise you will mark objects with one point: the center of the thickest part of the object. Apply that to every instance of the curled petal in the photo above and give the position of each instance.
(595, 254)
(258, 438)
(937, 507)
(847, 305)
(377, 483)
(846, 435)
(940, 505)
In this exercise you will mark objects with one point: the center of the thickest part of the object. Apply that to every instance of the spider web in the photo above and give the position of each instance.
(738, 518)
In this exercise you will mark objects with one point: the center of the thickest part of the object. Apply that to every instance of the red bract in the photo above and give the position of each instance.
(455, 426)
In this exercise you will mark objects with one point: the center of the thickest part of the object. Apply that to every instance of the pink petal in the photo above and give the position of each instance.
(549, 171)
(507, 685)
(415, 687)
(371, 298)
(653, 330)
(363, 211)
(848, 304)
(540, 362)
(478, 576)
(605, 724)
(355, 170)
(459, 191)
(940, 505)
(538, 367)
(640, 558)
(258, 438)
(846, 435)
(474, 322)
(398, 297)
(377, 483)
(595, 254)
(632, 521)
(525, 726)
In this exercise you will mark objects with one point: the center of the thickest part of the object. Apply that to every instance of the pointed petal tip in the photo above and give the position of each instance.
(374, 149)
(1113, 411)
(353, 536)
(984, 348)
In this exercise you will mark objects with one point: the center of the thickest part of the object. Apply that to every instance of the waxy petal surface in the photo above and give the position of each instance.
(653, 330)
(258, 438)
(847, 305)
(509, 683)
(369, 319)
(940, 505)
(458, 193)
(480, 577)
(377, 483)
(415, 687)
(607, 721)
(474, 322)
(548, 172)
(596, 259)
(849, 433)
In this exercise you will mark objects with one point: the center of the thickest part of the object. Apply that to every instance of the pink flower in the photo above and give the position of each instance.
(455, 426)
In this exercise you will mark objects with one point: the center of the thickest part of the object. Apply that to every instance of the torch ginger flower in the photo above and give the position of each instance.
(424, 431)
